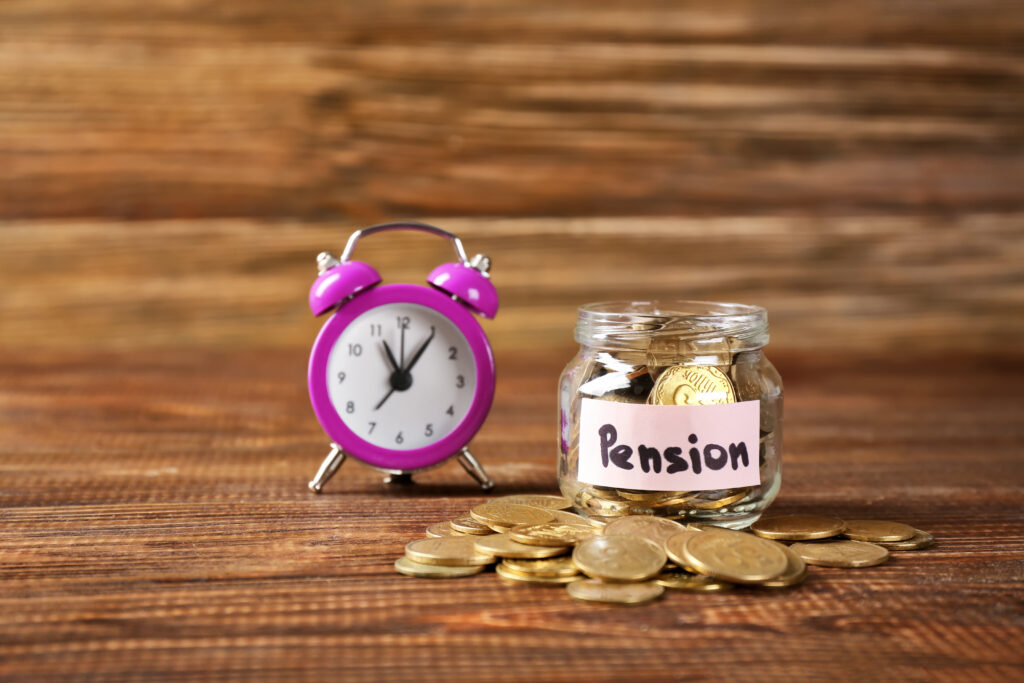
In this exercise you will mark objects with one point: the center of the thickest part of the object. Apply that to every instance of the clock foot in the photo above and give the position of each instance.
(475, 469)
(328, 467)
(403, 479)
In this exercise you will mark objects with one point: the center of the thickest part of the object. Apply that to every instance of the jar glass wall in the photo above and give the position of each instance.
(684, 354)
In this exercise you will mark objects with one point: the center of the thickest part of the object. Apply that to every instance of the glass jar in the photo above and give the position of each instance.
(671, 408)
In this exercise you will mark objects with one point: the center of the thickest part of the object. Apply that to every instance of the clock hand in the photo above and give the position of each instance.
(402, 353)
(386, 397)
(420, 352)
(391, 357)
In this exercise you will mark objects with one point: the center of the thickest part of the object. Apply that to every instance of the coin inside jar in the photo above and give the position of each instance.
(693, 385)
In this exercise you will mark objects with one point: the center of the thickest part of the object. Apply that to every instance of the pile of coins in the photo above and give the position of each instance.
(669, 374)
(533, 539)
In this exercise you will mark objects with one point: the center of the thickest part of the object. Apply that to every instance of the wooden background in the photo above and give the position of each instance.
(169, 169)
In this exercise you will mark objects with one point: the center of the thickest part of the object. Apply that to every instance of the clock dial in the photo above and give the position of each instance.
(401, 376)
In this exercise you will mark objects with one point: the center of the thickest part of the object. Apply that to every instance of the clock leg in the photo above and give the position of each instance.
(327, 469)
(470, 464)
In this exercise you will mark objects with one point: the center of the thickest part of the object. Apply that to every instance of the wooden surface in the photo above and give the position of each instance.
(169, 169)
(155, 525)
(373, 109)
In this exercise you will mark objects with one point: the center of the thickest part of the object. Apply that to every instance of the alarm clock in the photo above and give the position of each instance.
(401, 376)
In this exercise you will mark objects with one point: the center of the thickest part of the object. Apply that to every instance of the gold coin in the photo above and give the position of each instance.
(846, 554)
(878, 530)
(449, 551)
(404, 565)
(639, 496)
(694, 583)
(674, 545)
(730, 497)
(569, 517)
(592, 590)
(467, 525)
(499, 514)
(798, 527)
(538, 501)
(508, 575)
(920, 541)
(693, 385)
(550, 567)
(796, 571)
(439, 529)
(557, 534)
(654, 529)
(501, 545)
(702, 526)
(619, 558)
(734, 556)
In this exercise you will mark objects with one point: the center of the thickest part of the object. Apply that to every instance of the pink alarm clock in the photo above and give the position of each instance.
(401, 376)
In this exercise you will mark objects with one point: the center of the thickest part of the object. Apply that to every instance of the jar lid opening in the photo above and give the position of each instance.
(632, 324)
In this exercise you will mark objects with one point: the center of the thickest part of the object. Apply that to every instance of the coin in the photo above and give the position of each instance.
(920, 541)
(467, 525)
(731, 496)
(450, 551)
(619, 558)
(537, 500)
(796, 571)
(569, 517)
(592, 590)
(501, 545)
(557, 534)
(439, 529)
(798, 527)
(674, 546)
(550, 567)
(499, 514)
(878, 530)
(846, 554)
(507, 574)
(693, 385)
(734, 556)
(655, 529)
(432, 571)
(694, 583)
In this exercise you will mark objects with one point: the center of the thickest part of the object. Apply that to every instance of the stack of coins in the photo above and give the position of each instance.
(534, 539)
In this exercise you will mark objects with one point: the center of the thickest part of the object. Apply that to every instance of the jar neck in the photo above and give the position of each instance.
(665, 325)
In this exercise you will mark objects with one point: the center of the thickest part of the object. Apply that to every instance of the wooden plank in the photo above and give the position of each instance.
(903, 285)
(371, 110)
(154, 525)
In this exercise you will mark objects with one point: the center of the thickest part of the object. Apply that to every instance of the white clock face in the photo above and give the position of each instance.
(401, 376)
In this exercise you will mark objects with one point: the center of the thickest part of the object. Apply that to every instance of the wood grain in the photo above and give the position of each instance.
(155, 525)
(901, 285)
(371, 110)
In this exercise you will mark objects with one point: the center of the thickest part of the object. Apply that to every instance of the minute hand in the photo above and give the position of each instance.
(419, 353)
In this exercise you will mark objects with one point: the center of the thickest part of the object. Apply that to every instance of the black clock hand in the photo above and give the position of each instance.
(391, 358)
(402, 353)
(420, 352)
(386, 397)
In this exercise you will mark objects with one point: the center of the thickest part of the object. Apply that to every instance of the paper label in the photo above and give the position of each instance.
(669, 448)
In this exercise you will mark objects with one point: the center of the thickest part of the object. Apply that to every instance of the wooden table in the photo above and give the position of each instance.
(155, 524)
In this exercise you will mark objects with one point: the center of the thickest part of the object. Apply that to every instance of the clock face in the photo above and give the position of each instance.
(401, 376)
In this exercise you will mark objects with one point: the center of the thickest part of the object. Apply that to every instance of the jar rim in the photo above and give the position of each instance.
(626, 324)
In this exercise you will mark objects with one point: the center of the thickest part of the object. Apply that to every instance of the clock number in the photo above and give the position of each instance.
(376, 330)
(350, 407)
(452, 353)
(429, 431)
(460, 381)
(355, 349)
(341, 377)
(403, 322)
(372, 425)
(399, 438)
(451, 410)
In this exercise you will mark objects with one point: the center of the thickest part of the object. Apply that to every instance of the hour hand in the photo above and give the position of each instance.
(391, 357)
